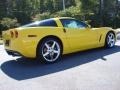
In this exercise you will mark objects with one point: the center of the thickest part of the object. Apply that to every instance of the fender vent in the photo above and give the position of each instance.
(100, 38)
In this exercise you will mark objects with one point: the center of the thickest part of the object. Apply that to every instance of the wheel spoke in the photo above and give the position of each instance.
(47, 53)
(108, 41)
(109, 37)
(56, 51)
(112, 40)
(52, 51)
(111, 43)
(54, 43)
(51, 56)
(47, 45)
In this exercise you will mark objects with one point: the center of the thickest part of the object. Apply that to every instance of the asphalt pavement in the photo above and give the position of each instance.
(97, 69)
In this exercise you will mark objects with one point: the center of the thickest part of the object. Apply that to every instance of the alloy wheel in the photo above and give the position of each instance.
(51, 50)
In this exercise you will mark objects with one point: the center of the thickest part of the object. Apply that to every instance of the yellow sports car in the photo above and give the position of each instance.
(48, 39)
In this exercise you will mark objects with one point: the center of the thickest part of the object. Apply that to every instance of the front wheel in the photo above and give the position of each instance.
(110, 40)
(50, 50)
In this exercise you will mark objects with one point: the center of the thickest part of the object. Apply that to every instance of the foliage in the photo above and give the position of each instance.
(2, 9)
(25, 11)
(89, 6)
(42, 16)
(70, 12)
(7, 23)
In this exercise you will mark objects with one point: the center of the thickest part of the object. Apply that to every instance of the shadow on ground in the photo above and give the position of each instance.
(22, 69)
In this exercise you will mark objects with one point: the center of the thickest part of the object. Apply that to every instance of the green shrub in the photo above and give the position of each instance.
(7, 23)
(41, 16)
(70, 12)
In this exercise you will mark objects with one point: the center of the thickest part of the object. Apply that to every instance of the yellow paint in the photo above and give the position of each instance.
(73, 40)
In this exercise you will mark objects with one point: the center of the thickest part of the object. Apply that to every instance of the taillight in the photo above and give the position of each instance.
(12, 34)
(16, 34)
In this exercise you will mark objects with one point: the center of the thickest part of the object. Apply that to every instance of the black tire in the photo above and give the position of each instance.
(49, 50)
(110, 40)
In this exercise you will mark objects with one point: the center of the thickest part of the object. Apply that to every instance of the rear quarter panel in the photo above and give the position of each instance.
(30, 43)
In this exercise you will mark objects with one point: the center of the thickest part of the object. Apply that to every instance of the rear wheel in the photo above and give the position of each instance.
(110, 40)
(50, 50)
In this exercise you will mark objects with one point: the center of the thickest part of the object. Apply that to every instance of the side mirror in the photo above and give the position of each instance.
(87, 22)
(89, 26)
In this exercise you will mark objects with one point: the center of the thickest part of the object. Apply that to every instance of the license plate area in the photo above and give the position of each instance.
(7, 42)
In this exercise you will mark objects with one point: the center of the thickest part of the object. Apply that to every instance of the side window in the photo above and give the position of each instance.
(81, 24)
(71, 23)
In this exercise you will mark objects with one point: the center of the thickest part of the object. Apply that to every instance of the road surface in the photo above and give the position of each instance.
(97, 69)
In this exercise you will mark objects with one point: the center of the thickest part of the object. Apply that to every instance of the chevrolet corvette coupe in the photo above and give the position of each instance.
(49, 39)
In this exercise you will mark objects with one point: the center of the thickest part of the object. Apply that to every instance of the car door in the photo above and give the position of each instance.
(78, 34)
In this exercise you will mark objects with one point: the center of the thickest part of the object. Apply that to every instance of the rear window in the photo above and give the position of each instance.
(47, 22)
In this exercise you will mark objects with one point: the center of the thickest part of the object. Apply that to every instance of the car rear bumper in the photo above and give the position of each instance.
(13, 53)
(20, 48)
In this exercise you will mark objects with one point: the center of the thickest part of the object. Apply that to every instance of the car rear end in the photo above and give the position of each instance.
(16, 43)
(11, 42)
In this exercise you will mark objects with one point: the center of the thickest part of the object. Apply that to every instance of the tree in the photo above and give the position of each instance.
(89, 6)
(57, 5)
(49, 6)
(7, 23)
(42, 7)
(109, 13)
(24, 9)
(3, 8)
(69, 3)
